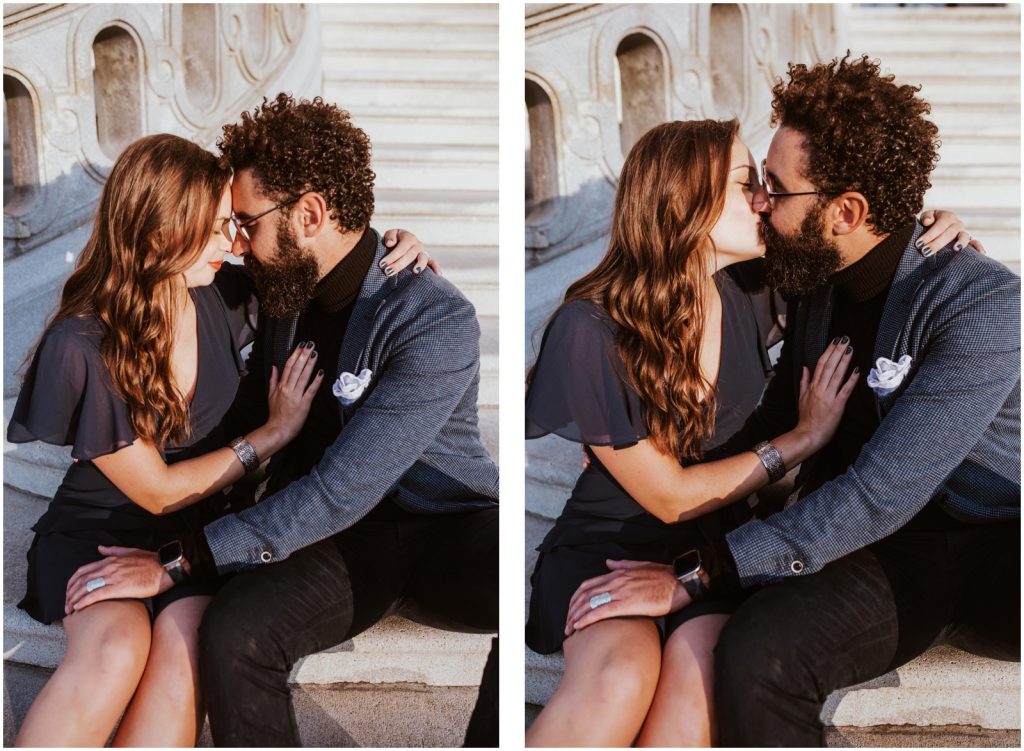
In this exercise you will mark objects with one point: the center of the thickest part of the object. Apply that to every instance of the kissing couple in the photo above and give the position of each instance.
(360, 390)
(692, 608)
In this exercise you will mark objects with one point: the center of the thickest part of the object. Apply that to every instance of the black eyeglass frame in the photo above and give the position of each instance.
(241, 226)
(772, 195)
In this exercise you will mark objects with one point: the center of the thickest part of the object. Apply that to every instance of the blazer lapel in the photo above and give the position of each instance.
(372, 296)
(911, 272)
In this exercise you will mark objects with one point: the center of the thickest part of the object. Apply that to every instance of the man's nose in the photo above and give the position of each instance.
(761, 201)
(239, 246)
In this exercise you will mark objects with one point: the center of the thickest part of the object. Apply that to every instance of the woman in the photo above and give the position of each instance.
(655, 359)
(135, 371)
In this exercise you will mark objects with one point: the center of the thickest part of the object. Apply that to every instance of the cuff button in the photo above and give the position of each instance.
(796, 567)
(265, 556)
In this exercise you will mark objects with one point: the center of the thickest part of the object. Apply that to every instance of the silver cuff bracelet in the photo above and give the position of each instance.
(246, 454)
(772, 461)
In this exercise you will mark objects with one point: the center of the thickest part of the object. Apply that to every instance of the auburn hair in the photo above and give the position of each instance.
(653, 277)
(154, 218)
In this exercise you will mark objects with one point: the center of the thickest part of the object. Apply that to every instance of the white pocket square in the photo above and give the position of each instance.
(887, 375)
(350, 387)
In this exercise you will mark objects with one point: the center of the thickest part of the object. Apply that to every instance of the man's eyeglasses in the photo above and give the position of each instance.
(773, 194)
(242, 227)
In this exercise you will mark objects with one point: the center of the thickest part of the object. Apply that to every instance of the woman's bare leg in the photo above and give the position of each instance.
(611, 671)
(80, 704)
(682, 713)
(168, 708)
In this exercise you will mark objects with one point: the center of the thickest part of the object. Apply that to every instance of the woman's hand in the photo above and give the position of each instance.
(636, 588)
(291, 394)
(405, 248)
(823, 396)
(126, 573)
(943, 228)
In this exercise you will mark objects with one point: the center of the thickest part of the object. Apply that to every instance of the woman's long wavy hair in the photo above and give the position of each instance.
(653, 277)
(154, 219)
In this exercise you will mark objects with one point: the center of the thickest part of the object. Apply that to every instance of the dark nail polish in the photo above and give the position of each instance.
(301, 344)
(958, 247)
(845, 340)
(382, 264)
(389, 271)
(927, 251)
(918, 244)
(836, 340)
(312, 356)
(320, 372)
(856, 369)
(849, 350)
(417, 269)
(310, 345)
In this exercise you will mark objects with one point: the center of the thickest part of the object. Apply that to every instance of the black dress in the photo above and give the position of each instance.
(580, 391)
(67, 399)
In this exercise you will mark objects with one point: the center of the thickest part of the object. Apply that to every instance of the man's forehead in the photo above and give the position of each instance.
(246, 190)
(786, 152)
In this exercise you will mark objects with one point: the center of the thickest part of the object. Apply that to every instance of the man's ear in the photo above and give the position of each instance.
(312, 212)
(848, 213)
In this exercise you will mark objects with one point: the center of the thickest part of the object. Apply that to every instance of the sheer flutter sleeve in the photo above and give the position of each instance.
(67, 398)
(579, 388)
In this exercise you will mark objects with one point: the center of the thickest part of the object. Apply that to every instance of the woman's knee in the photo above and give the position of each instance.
(118, 651)
(624, 670)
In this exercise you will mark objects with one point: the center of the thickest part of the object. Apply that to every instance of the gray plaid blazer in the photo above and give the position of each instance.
(412, 434)
(951, 431)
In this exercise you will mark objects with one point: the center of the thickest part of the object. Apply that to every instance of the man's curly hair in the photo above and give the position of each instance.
(862, 133)
(297, 146)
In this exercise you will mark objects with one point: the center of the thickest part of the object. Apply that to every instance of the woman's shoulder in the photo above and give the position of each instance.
(585, 317)
(80, 333)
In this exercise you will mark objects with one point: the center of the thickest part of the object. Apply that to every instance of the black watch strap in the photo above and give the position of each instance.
(694, 587)
(177, 572)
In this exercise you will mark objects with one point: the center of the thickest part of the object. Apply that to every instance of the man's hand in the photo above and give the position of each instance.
(636, 588)
(127, 573)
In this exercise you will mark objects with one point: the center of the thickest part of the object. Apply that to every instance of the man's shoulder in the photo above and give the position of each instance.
(970, 278)
(426, 290)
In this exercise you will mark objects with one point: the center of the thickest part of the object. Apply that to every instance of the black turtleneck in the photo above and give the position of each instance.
(324, 322)
(860, 291)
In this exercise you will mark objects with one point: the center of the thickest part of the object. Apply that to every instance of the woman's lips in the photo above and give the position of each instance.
(216, 265)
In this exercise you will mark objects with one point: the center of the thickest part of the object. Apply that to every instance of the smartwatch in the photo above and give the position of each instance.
(171, 556)
(687, 569)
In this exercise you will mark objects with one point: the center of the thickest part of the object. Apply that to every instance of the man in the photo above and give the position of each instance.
(387, 501)
(907, 531)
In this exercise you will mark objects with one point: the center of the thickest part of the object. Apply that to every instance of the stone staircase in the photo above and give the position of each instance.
(967, 61)
(423, 82)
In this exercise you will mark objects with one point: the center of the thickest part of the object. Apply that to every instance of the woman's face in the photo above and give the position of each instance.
(201, 272)
(737, 233)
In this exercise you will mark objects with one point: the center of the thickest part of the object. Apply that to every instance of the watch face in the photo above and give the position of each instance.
(687, 564)
(170, 553)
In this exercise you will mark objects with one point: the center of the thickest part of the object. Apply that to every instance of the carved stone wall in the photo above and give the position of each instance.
(610, 72)
(83, 81)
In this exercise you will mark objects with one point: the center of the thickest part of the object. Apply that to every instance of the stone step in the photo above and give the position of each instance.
(997, 94)
(912, 68)
(329, 716)
(358, 95)
(876, 39)
(979, 149)
(983, 21)
(430, 153)
(370, 13)
(440, 127)
(412, 65)
(448, 177)
(415, 34)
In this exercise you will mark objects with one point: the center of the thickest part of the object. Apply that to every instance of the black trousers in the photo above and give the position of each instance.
(440, 570)
(794, 642)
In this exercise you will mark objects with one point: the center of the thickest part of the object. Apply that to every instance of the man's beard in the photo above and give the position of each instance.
(798, 265)
(286, 286)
